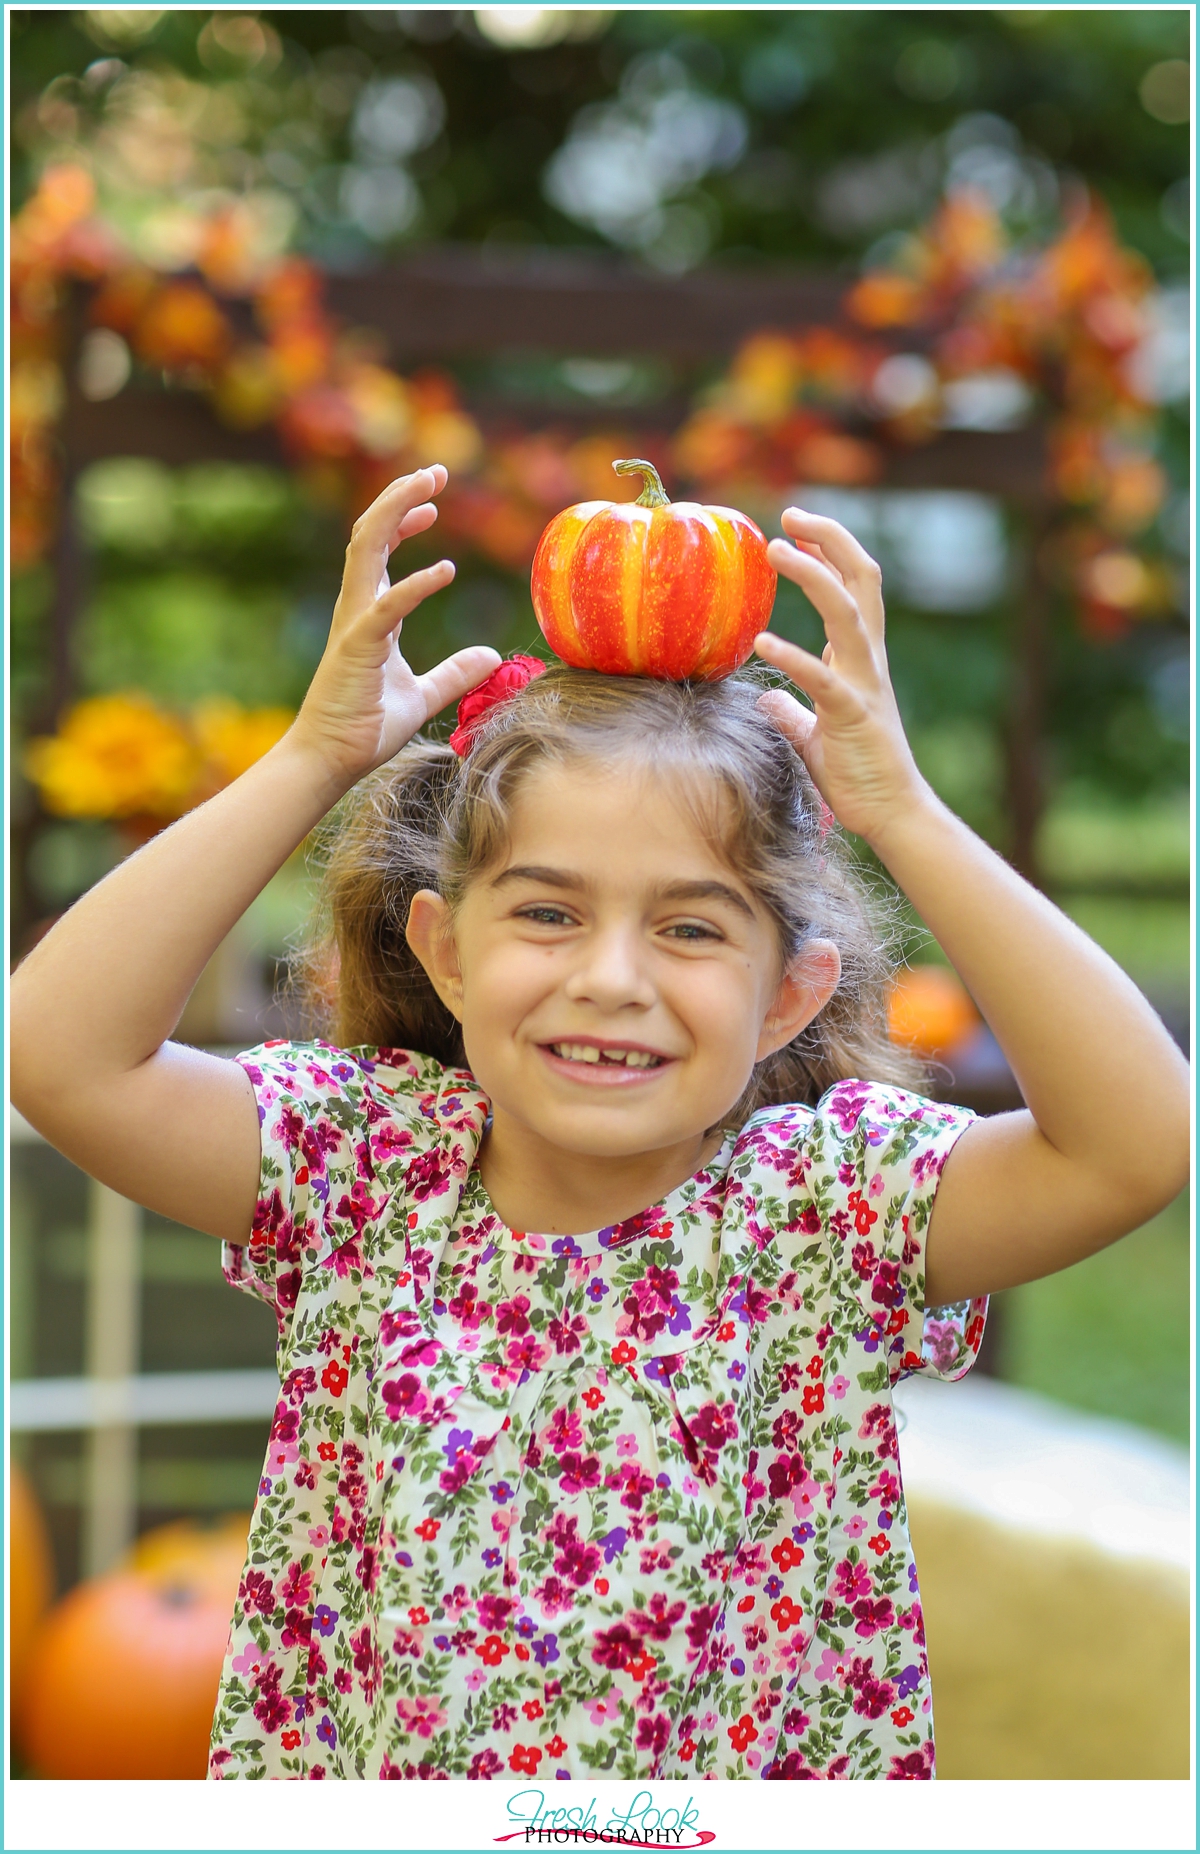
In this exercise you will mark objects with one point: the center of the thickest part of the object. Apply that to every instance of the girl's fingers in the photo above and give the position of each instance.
(450, 681)
(387, 613)
(860, 573)
(817, 552)
(795, 722)
(843, 621)
(828, 690)
(377, 531)
(417, 520)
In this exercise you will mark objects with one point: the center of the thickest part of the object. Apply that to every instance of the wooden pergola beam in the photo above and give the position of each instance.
(457, 302)
(452, 301)
(179, 428)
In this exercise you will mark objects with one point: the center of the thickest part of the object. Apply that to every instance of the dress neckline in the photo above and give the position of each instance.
(644, 1225)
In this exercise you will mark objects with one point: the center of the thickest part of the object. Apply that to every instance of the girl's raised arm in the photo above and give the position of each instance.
(1104, 1142)
(96, 1001)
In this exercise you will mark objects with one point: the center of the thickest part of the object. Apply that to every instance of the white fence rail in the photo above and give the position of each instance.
(160, 1397)
(112, 1402)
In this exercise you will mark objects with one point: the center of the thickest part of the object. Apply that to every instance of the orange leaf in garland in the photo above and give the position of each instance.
(656, 588)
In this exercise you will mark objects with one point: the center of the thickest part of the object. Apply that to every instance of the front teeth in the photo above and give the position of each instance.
(588, 1052)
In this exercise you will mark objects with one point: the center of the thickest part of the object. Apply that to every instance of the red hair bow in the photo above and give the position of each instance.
(506, 680)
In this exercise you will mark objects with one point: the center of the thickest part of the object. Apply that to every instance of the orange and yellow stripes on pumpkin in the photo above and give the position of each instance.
(675, 591)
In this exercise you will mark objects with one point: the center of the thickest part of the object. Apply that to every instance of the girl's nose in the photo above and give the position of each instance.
(611, 972)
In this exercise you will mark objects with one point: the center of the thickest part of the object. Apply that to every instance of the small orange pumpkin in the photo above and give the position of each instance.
(652, 588)
(30, 1584)
(929, 1010)
(127, 1666)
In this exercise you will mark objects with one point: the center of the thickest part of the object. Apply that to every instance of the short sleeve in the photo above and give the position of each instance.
(873, 1157)
(320, 1111)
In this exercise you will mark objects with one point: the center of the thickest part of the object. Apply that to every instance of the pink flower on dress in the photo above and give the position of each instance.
(422, 1716)
(831, 1666)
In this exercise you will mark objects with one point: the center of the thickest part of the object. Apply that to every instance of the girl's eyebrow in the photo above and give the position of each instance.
(706, 891)
(670, 891)
(537, 872)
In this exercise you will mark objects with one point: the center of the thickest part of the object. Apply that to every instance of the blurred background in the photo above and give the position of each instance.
(927, 271)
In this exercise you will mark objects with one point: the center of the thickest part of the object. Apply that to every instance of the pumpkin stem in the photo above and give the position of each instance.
(653, 495)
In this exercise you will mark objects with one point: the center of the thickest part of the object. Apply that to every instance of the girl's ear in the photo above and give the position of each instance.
(430, 934)
(806, 988)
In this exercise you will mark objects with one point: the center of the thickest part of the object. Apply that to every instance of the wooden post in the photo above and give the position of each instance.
(111, 1348)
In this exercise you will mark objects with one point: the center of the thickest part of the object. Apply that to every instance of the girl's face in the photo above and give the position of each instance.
(615, 981)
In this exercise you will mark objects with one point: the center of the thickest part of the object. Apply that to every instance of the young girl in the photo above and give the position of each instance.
(598, 1232)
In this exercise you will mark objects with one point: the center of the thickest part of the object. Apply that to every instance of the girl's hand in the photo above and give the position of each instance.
(364, 702)
(854, 744)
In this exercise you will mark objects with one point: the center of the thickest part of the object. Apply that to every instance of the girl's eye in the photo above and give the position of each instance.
(547, 916)
(692, 930)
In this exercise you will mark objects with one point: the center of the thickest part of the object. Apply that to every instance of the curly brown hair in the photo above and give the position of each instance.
(431, 820)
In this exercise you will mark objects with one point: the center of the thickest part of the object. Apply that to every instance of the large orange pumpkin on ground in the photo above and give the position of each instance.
(126, 1667)
(30, 1584)
(929, 1010)
(652, 588)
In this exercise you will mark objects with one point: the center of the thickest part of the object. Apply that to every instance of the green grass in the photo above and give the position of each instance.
(1150, 939)
(1111, 1334)
(1083, 843)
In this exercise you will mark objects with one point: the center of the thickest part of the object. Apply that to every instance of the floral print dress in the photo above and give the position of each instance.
(620, 1505)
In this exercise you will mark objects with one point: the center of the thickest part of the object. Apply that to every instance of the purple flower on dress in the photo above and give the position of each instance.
(662, 1369)
(909, 1681)
(614, 1543)
(327, 1732)
(545, 1649)
(324, 1619)
(596, 1289)
(846, 1104)
(679, 1320)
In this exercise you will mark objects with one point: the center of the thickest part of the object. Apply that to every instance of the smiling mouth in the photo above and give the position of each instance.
(613, 1057)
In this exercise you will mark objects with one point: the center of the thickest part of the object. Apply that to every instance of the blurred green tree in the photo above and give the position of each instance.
(729, 136)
